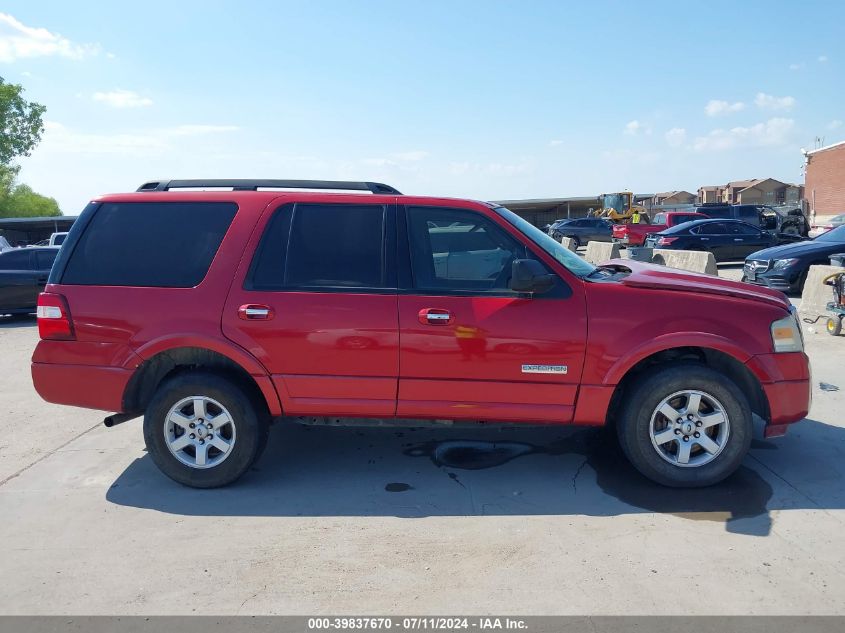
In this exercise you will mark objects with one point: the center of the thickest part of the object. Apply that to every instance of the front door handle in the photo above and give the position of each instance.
(738, 239)
(255, 312)
(435, 316)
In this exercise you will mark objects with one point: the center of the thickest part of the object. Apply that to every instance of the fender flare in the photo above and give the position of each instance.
(623, 365)
(224, 347)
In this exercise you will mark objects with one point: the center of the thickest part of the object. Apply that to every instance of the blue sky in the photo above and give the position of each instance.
(489, 100)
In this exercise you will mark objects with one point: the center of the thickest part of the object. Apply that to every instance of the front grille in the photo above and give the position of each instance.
(759, 265)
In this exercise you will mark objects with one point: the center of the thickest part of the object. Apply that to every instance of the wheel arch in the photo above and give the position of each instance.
(717, 359)
(170, 361)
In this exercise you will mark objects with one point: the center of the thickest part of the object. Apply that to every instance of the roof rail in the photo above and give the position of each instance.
(241, 184)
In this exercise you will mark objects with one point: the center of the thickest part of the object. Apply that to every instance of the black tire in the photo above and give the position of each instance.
(576, 241)
(249, 417)
(647, 393)
(834, 325)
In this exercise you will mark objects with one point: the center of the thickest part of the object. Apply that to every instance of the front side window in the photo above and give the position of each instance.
(713, 228)
(454, 249)
(323, 246)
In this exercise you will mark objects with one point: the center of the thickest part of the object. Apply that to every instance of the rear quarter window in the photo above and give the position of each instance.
(155, 244)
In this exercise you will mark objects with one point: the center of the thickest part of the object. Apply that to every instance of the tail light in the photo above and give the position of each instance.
(54, 322)
(665, 241)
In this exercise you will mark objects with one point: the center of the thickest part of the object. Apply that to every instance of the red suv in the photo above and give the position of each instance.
(212, 313)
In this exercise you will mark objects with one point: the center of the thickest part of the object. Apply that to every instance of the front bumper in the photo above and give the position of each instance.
(787, 385)
(783, 279)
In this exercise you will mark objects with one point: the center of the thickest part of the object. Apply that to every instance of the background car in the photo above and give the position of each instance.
(23, 274)
(785, 267)
(585, 230)
(726, 239)
(823, 227)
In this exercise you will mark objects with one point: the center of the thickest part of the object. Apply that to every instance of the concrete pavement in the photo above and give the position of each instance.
(397, 521)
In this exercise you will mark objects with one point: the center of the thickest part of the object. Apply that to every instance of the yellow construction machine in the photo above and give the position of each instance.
(619, 207)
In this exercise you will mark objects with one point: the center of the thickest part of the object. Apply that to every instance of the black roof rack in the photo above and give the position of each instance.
(241, 184)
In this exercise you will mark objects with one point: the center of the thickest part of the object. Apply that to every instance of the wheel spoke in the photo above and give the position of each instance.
(180, 442)
(665, 436)
(181, 420)
(220, 444)
(670, 412)
(684, 449)
(707, 444)
(220, 420)
(713, 419)
(199, 408)
(202, 454)
(694, 403)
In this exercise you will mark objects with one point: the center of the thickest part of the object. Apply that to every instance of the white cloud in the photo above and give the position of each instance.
(18, 41)
(796, 66)
(834, 125)
(59, 138)
(122, 99)
(676, 136)
(555, 143)
(717, 107)
(397, 159)
(772, 133)
(633, 128)
(770, 102)
(822, 59)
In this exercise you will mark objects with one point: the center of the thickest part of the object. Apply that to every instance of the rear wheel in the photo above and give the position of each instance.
(685, 426)
(834, 326)
(576, 241)
(203, 430)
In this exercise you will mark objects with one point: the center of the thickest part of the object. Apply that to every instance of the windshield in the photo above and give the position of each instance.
(834, 235)
(615, 201)
(563, 255)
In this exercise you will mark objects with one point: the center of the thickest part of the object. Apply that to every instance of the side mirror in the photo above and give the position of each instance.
(529, 275)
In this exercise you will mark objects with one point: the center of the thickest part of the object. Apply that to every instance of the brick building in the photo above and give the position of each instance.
(825, 180)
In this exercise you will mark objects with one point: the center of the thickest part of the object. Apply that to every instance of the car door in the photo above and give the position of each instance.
(470, 348)
(748, 239)
(317, 307)
(18, 280)
(713, 237)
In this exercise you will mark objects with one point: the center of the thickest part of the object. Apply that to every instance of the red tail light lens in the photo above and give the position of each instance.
(54, 322)
(665, 241)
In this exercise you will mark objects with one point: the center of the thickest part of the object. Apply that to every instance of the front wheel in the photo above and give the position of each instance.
(203, 430)
(685, 426)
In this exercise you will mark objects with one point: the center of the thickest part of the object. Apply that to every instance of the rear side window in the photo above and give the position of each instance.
(16, 260)
(717, 212)
(324, 246)
(749, 214)
(155, 244)
(44, 259)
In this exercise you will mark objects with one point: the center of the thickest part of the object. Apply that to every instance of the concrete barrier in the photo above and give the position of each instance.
(569, 243)
(694, 261)
(816, 295)
(600, 252)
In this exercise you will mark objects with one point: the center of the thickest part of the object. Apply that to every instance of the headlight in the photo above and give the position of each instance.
(786, 335)
(783, 263)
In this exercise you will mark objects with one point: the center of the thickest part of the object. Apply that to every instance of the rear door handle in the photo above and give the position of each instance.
(738, 239)
(434, 316)
(255, 312)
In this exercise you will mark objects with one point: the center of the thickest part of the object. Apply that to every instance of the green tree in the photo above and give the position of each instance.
(22, 202)
(21, 123)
